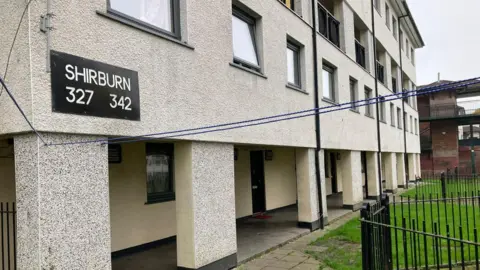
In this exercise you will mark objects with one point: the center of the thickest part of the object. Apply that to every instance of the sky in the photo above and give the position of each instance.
(451, 31)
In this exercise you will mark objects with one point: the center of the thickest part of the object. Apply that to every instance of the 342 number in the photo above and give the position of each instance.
(78, 95)
(122, 102)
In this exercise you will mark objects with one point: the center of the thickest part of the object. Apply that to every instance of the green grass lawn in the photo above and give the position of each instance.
(453, 188)
(343, 245)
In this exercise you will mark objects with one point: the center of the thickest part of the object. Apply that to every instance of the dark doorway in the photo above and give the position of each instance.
(333, 170)
(258, 181)
(363, 157)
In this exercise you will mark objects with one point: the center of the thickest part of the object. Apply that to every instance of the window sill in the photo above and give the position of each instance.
(393, 126)
(327, 100)
(369, 116)
(296, 88)
(248, 70)
(166, 198)
(355, 111)
(143, 28)
(383, 121)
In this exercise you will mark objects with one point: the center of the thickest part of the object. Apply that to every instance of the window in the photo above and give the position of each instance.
(412, 54)
(353, 94)
(399, 118)
(368, 96)
(387, 15)
(160, 184)
(293, 64)
(392, 114)
(244, 44)
(405, 118)
(411, 124)
(328, 25)
(416, 126)
(328, 83)
(160, 15)
(401, 39)
(376, 4)
(408, 48)
(381, 109)
(394, 26)
(290, 4)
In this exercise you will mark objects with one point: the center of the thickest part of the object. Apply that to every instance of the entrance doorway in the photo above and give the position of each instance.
(363, 157)
(258, 181)
(333, 170)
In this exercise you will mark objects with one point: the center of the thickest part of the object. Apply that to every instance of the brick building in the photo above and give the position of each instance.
(449, 125)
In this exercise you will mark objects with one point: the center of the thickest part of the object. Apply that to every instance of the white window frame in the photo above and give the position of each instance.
(331, 90)
(296, 64)
(252, 27)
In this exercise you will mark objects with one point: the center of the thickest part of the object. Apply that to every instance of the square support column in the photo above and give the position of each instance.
(205, 206)
(63, 215)
(351, 166)
(412, 167)
(401, 177)
(419, 166)
(307, 191)
(391, 172)
(372, 176)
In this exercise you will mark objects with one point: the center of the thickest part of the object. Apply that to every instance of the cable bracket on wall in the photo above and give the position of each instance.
(46, 22)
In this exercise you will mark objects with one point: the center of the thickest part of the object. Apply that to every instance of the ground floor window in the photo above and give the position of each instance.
(160, 183)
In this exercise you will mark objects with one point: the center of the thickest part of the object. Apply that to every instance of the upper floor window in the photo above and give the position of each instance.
(392, 114)
(381, 104)
(353, 94)
(376, 4)
(394, 27)
(401, 39)
(293, 64)
(412, 55)
(399, 118)
(160, 15)
(160, 183)
(387, 15)
(290, 4)
(244, 43)
(369, 102)
(328, 77)
(408, 48)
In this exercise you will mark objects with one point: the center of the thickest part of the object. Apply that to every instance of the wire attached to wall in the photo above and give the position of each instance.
(13, 44)
(273, 119)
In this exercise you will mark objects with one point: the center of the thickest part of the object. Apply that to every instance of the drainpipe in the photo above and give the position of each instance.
(317, 116)
(377, 107)
(405, 154)
(48, 26)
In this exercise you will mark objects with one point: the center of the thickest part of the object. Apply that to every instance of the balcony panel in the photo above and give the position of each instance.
(360, 54)
(446, 111)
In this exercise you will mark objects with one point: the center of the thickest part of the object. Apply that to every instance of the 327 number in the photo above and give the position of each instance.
(79, 96)
(122, 102)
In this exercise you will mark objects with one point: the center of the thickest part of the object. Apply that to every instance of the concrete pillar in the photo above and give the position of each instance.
(388, 71)
(351, 166)
(205, 205)
(307, 192)
(347, 29)
(391, 172)
(401, 177)
(369, 54)
(411, 167)
(63, 218)
(372, 176)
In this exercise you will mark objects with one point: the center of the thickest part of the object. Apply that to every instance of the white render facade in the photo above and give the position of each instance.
(189, 77)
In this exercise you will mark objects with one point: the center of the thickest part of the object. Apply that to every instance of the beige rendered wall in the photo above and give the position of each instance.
(132, 221)
(280, 179)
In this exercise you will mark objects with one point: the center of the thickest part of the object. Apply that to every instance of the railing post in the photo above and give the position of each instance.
(444, 185)
(388, 235)
(367, 245)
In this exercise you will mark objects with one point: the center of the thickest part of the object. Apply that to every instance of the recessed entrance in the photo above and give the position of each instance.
(257, 171)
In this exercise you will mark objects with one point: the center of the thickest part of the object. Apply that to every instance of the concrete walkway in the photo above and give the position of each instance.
(294, 254)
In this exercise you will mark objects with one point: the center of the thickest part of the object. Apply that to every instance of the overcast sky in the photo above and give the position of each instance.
(451, 31)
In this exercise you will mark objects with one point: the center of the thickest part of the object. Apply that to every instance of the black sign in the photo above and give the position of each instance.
(87, 87)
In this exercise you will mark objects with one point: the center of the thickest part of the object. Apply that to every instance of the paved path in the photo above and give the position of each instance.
(292, 255)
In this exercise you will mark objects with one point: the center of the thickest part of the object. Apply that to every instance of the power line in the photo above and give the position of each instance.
(246, 123)
(21, 111)
(13, 43)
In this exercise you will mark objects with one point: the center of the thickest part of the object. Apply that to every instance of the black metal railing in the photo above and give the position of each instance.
(445, 111)
(394, 85)
(425, 232)
(8, 228)
(328, 26)
(360, 53)
(380, 72)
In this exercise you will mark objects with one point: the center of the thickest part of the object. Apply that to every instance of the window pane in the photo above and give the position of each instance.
(158, 173)
(327, 84)
(353, 95)
(155, 12)
(243, 43)
(291, 66)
